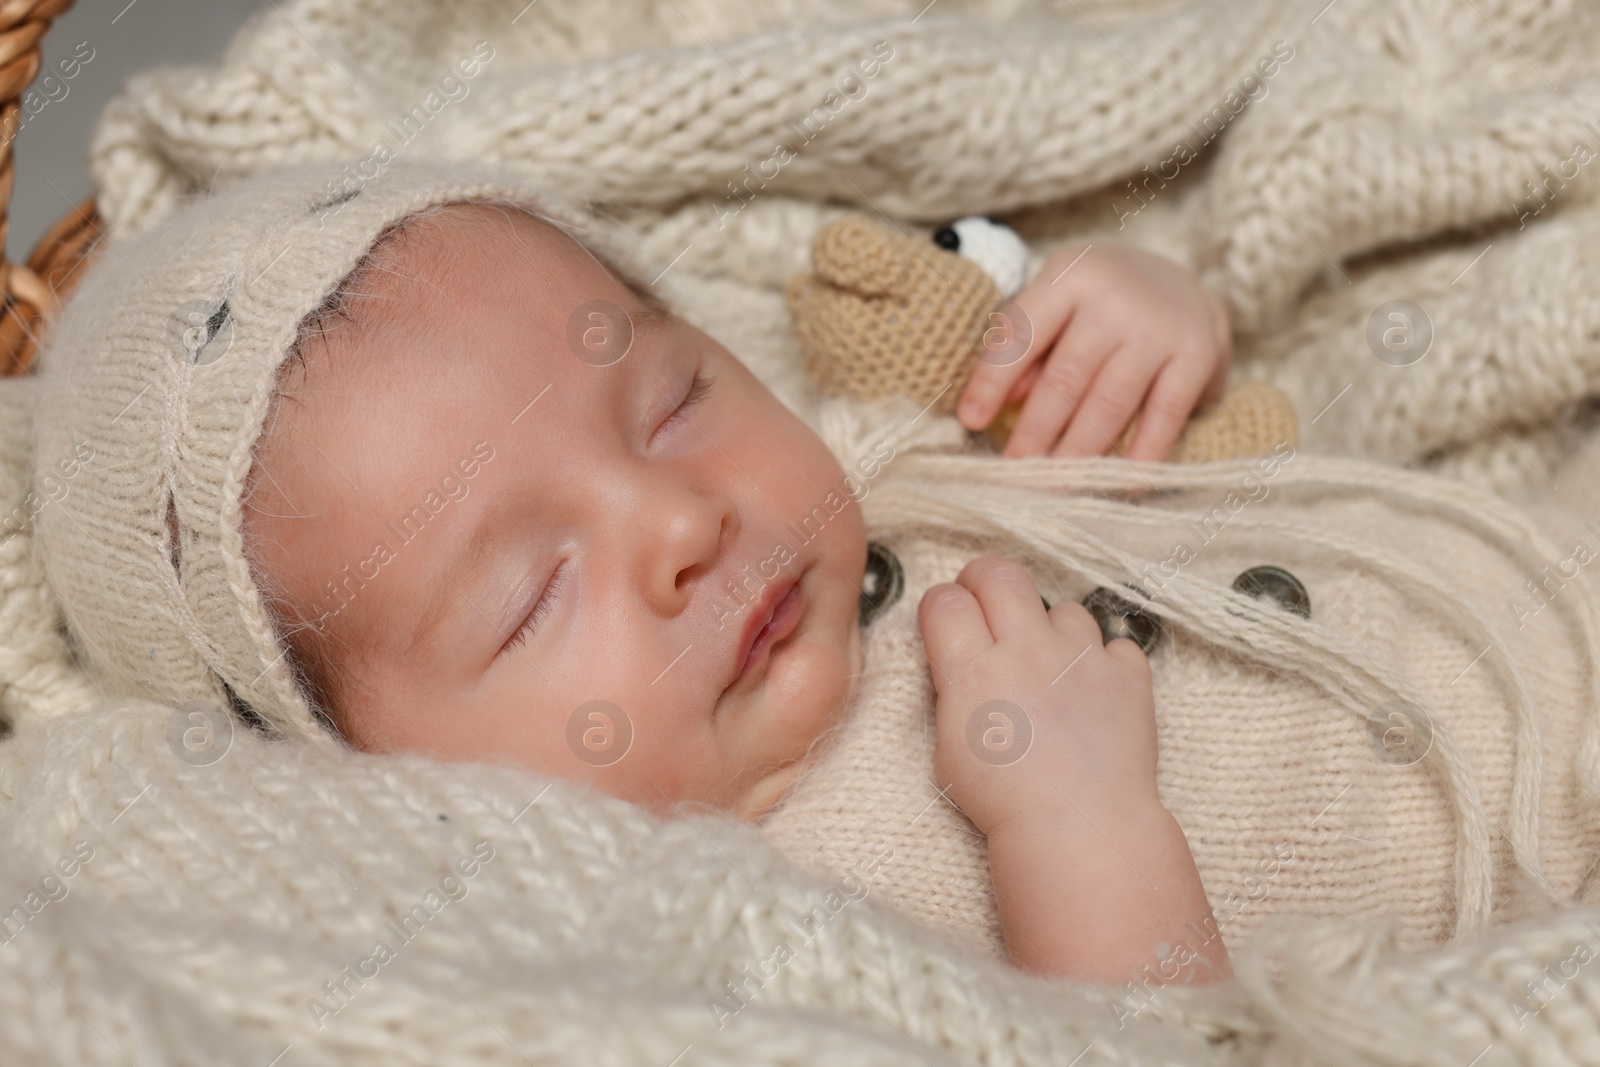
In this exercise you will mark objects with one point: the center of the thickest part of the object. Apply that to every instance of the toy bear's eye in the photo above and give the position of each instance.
(990, 244)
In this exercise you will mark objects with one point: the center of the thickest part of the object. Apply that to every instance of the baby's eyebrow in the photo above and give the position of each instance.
(654, 316)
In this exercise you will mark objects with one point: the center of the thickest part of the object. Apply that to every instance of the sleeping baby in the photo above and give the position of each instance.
(430, 467)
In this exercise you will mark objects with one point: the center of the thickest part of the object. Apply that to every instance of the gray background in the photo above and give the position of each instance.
(52, 148)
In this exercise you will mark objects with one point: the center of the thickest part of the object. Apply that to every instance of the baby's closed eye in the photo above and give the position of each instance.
(541, 608)
(698, 388)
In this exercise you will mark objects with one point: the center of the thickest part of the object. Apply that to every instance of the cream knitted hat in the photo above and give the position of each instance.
(164, 362)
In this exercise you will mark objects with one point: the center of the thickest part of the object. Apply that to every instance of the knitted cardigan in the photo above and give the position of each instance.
(167, 912)
(1299, 791)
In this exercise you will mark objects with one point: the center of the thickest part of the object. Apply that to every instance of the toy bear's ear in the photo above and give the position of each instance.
(887, 313)
(1252, 419)
(860, 255)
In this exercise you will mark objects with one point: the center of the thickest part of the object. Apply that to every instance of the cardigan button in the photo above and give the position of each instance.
(1120, 617)
(1275, 583)
(882, 583)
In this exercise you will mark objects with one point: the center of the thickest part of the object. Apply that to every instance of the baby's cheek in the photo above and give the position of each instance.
(813, 694)
(801, 468)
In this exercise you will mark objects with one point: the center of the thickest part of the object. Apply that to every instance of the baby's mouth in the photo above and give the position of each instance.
(772, 619)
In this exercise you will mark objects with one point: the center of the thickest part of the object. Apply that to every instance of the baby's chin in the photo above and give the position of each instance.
(760, 800)
(768, 793)
(844, 664)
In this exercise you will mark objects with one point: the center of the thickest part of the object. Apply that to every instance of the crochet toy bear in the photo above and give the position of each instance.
(883, 314)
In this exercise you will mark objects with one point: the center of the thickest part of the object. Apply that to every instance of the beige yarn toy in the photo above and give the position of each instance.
(884, 314)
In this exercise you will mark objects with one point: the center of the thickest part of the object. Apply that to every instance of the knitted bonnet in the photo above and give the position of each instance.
(165, 362)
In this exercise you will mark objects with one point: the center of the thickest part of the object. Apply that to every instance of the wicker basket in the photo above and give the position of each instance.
(35, 290)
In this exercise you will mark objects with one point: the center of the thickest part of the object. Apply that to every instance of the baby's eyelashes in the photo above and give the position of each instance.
(541, 608)
(699, 387)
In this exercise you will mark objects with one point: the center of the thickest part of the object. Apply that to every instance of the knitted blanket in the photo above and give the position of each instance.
(295, 903)
(1325, 169)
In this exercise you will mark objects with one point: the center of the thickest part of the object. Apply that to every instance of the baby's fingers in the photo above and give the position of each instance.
(1172, 399)
(1016, 337)
(1104, 413)
(1008, 596)
(1053, 403)
(953, 629)
(1008, 347)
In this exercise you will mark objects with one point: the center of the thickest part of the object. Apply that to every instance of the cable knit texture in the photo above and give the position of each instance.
(1390, 146)
(1378, 911)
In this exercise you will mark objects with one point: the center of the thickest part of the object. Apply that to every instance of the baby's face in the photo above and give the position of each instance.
(498, 532)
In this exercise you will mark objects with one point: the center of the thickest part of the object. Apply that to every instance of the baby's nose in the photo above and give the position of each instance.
(857, 254)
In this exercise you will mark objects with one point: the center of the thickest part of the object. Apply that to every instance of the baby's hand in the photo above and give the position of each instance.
(1047, 740)
(1116, 332)
(1039, 723)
